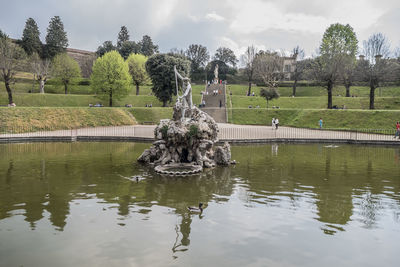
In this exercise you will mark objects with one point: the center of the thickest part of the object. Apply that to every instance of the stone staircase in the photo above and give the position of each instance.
(215, 104)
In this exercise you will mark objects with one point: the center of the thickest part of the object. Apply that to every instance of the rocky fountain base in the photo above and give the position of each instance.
(186, 144)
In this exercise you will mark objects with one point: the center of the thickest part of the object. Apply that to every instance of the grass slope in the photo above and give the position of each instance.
(308, 118)
(35, 119)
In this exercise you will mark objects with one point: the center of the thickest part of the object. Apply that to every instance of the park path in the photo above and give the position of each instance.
(227, 132)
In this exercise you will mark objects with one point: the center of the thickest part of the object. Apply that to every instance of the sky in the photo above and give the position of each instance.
(267, 24)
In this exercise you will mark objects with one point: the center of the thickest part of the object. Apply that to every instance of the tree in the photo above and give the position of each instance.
(377, 44)
(248, 59)
(339, 43)
(127, 48)
(65, 69)
(40, 70)
(160, 68)
(298, 54)
(269, 94)
(123, 36)
(268, 67)
(377, 70)
(110, 77)
(30, 41)
(347, 73)
(226, 55)
(198, 55)
(147, 47)
(137, 69)
(223, 70)
(107, 46)
(56, 38)
(11, 57)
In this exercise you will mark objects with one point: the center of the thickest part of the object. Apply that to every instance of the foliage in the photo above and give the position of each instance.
(193, 130)
(226, 55)
(56, 38)
(30, 41)
(164, 131)
(137, 69)
(198, 55)
(107, 46)
(65, 69)
(147, 47)
(223, 70)
(110, 77)
(269, 94)
(123, 36)
(127, 48)
(160, 68)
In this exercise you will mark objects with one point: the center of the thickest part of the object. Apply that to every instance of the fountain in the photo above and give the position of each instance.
(186, 143)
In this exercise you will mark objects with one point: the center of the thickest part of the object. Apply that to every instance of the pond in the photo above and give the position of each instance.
(92, 204)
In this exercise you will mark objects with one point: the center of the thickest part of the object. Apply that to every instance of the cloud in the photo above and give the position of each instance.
(214, 16)
(268, 24)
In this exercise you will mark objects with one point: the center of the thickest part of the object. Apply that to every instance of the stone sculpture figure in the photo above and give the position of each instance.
(216, 74)
(185, 100)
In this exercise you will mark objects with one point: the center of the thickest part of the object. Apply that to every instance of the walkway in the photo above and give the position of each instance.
(227, 132)
(215, 102)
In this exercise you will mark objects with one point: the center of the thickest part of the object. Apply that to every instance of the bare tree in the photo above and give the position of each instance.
(248, 59)
(268, 67)
(40, 70)
(11, 56)
(298, 54)
(377, 44)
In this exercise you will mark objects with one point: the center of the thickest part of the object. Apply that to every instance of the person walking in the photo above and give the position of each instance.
(320, 123)
(397, 130)
(276, 123)
(273, 123)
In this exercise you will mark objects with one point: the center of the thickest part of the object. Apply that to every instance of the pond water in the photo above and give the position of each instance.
(92, 204)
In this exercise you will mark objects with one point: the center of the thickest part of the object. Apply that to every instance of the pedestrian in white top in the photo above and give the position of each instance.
(273, 123)
(276, 123)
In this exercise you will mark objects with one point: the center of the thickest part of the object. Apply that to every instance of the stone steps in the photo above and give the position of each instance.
(215, 104)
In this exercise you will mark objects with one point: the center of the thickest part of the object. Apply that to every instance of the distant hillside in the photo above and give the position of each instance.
(84, 58)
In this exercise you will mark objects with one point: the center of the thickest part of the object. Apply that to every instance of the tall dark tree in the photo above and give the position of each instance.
(56, 38)
(198, 55)
(339, 43)
(297, 54)
(160, 68)
(107, 46)
(248, 59)
(30, 40)
(127, 48)
(226, 55)
(223, 70)
(123, 36)
(147, 47)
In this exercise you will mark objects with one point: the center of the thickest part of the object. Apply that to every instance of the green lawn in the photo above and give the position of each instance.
(308, 118)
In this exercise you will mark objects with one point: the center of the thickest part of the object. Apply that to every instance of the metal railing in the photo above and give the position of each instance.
(227, 132)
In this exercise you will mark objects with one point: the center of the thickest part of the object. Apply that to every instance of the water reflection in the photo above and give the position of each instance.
(332, 187)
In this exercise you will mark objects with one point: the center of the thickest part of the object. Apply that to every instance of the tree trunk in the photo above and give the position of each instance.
(347, 90)
(66, 87)
(110, 102)
(164, 103)
(9, 92)
(41, 86)
(294, 87)
(267, 103)
(137, 89)
(372, 97)
(249, 92)
(330, 87)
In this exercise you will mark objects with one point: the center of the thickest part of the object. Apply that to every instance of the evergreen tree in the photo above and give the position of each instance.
(56, 38)
(147, 47)
(30, 41)
(107, 46)
(123, 36)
